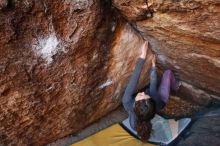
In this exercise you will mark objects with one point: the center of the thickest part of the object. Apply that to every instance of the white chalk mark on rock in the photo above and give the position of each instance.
(212, 60)
(48, 46)
(162, 58)
(107, 83)
(76, 5)
(177, 67)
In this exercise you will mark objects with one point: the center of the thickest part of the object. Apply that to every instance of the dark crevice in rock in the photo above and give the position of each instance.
(11, 4)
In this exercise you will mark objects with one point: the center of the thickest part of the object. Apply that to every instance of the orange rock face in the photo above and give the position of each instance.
(186, 37)
(65, 64)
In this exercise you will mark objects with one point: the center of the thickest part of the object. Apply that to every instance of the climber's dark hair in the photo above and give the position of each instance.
(145, 110)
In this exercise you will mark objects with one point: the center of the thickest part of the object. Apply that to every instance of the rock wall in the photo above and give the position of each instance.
(185, 35)
(64, 64)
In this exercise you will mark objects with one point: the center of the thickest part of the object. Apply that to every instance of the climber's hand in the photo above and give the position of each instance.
(144, 48)
(153, 61)
(142, 6)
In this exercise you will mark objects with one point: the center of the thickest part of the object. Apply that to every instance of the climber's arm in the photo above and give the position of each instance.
(128, 99)
(153, 86)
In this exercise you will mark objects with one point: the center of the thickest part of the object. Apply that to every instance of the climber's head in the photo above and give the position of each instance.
(145, 110)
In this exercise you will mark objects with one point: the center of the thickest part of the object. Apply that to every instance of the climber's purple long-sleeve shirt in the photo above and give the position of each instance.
(160, 96)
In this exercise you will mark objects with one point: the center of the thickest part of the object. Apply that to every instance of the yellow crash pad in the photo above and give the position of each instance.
(112, 136)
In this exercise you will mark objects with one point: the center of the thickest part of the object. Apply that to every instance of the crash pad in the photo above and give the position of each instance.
(164, 131)
(112, 136)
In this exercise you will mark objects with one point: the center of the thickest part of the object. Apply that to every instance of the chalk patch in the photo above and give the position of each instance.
(177, 67)
(95, 55)
(107, 83)
(77, 4)
(113, 27)
(48, 46)
(162, 58)
(212, 60)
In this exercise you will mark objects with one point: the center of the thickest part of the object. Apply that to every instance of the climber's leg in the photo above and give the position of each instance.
(168, 81)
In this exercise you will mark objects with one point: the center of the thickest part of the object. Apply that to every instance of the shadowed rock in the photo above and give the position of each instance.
(204, 131)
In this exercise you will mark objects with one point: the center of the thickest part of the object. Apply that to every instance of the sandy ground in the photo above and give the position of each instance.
(112, 118)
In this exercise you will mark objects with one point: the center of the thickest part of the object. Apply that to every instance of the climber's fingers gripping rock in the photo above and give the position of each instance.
(144, 49)
(153, 61)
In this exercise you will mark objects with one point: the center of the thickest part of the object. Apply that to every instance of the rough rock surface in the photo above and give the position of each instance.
(186, 36)
(60, 67)
(64, 64)
(178, 108)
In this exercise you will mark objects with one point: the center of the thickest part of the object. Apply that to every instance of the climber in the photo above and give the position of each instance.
(143, 107)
